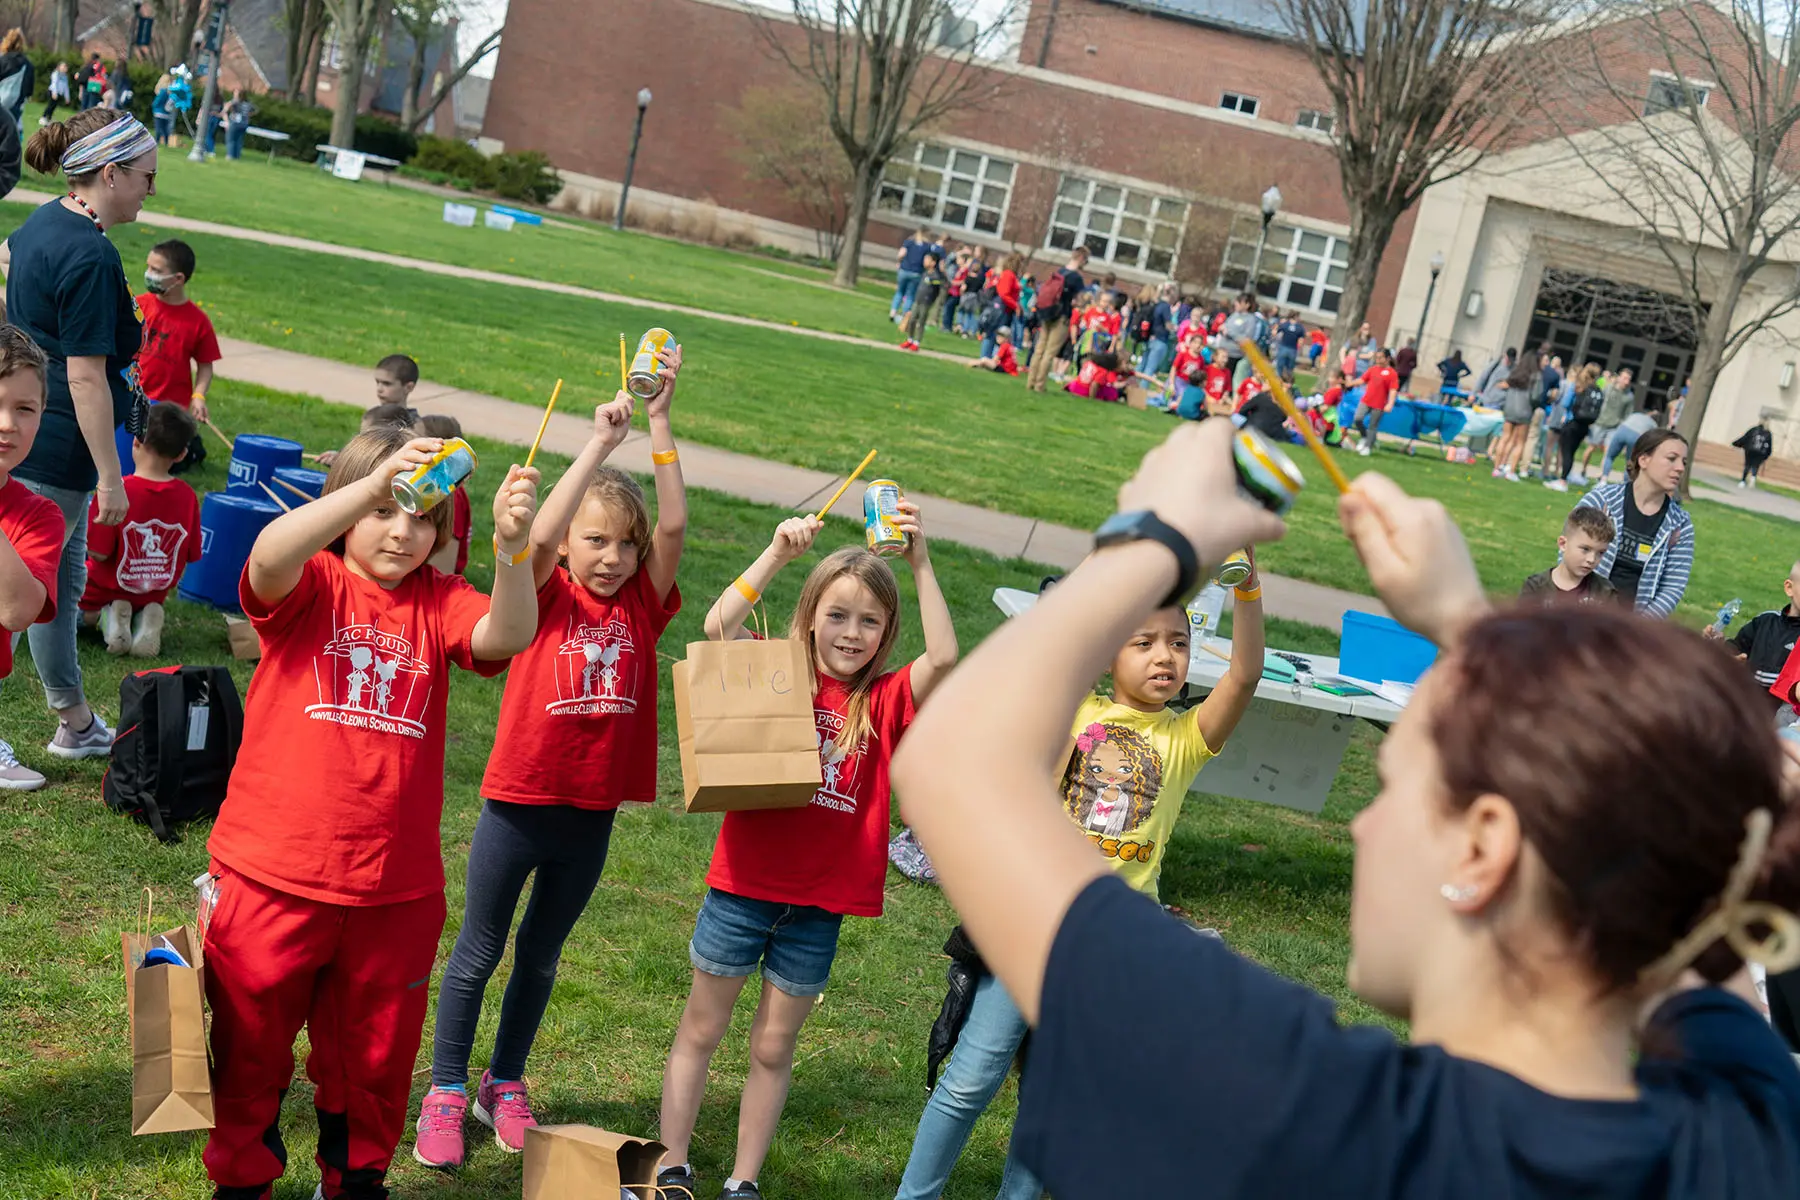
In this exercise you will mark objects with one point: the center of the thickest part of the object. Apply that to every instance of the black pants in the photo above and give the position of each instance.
(1573, 433)
(566, 846)
(1752, 464)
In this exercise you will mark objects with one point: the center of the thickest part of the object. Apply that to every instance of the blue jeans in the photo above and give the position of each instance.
(566, 847)
(212, 133)
(950, 303)
(906, 287)
(165, 129)
(984, 1054)
(1621, 442)
(1286, 357)
(794, 943)
(234, 140)
(1156, 356)
(53, 643)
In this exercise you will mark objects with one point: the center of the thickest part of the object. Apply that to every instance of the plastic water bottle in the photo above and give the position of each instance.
(1727, 615)
(1204, 611)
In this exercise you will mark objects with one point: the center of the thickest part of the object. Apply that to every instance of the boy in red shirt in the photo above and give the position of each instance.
(1004, 360)
(454, 557)
(176, 334)
(132, 566)
(1098, 378)
(31, 527)
(327, 891)
(1379, 383)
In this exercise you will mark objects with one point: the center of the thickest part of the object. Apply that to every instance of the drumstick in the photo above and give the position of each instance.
(228, 442)
(545, 423)
(282, 504)
(853, 476)
(624, 368)
(305, 496)
(1279, 390)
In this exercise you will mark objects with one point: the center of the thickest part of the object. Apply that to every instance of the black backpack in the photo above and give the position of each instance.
(179, 730)
(1588, 403)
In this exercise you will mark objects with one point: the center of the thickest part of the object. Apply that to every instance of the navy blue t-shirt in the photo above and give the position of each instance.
(1288, 334)
(67, 289)
(912, 254)
(1163, 1059)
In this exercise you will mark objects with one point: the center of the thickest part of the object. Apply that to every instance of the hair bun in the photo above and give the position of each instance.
(43, 153)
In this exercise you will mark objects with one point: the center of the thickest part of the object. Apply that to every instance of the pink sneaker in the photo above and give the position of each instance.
(506, 1109)
(440, 1130)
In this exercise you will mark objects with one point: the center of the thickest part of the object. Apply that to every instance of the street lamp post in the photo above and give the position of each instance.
(209, 99)
(1271, 204)
(637, 131)
(1437, 266)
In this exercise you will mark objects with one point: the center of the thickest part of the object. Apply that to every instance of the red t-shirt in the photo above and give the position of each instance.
(175, 335)
(1005, 361)
(145, 555)
(1379, 385)
(1187, 365)
(462, 522)
(831, 854)
(1252, 384)
(1092, 379)
(34, 527)
(578, 723)
(1218, 381)
(1194, 324)
(338, 789)
(1108, 323)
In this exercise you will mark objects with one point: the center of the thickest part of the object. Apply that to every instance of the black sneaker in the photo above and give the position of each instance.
(675, 1183)
(743, 1191)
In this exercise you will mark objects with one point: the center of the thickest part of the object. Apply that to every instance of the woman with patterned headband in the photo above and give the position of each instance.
(67, 289)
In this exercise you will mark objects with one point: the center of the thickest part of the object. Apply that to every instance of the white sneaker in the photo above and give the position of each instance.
(1741, 483)
(14, 775)
(1557, 485)
(93, 742)
(1511, 476)
(146, 638)
(115, 626)
(1363, 449)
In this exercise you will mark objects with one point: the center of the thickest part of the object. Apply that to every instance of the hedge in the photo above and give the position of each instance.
(527, 176)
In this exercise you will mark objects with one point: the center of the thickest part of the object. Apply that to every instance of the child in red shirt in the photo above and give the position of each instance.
(327, 889)
(1379, 383)
(133, 565)
(1003, 360)
(31, 527)
(782, 880)
(176, 333)
(1098, 378)
(576, 739)
(453, 559)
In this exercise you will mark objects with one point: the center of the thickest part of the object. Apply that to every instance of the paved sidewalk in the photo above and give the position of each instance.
(1710, 483)
(796, 488)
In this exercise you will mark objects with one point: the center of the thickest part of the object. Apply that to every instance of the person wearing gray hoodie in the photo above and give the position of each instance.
(1620, 403)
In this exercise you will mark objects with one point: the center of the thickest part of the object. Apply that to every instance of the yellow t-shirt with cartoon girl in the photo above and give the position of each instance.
(1125, 782)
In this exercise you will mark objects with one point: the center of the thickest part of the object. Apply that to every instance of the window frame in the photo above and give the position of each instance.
(1296, 246)
(1242, 98)
(942, 201)
(1322, 122)
(1103, 240)
(1679, 91)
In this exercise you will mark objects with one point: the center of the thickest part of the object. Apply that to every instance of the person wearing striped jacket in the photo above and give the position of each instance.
(1652, 554)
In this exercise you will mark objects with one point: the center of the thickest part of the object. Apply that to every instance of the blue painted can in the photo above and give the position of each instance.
(122, 436)
(229, 523)
(305, 479)
(255, 457)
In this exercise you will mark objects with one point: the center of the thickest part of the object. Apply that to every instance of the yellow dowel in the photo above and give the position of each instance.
(545, 423)
(624, 365)
(854, 475)
(1279, 390)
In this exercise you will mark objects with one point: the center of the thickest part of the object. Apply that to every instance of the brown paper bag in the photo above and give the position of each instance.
(579, 1162)
(1136, 396)
(171, 1084)
(241, 636)
(744, 716)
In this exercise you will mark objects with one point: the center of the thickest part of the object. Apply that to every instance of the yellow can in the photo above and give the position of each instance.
(424, 488)
(1235, 571)
(642, 379)
(881, 511)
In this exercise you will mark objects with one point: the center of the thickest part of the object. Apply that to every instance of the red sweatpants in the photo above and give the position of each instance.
(358, 979)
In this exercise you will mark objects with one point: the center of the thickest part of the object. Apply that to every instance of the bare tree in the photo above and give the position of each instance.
(357, 22)
(187, 19)
(422, 19)
(781, 138)
(885, 68)
(1707, 178)
(1420, 89)
(300, 21)
(62, 22)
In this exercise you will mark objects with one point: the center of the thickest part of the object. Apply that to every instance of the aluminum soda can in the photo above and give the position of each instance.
(424, 488)
(642, 379)
(881, 511)
(1265, 473)
(1235, 570)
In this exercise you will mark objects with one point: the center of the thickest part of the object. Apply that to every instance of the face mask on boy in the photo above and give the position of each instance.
(158, 284)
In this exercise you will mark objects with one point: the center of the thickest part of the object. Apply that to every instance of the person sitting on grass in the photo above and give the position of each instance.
(395, 378)
(1651, 557)
(1765, 642)
(1585, 537)
(1003, 360)
(1551, 907)
(31, 527)
(177, 334)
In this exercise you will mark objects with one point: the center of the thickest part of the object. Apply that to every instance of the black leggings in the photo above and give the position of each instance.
(1574, 432)
(1752, 466)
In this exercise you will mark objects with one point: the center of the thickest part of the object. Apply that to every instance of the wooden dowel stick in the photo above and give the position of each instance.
(229, 444)
(306, 497)
(853, 477)
(545, 423)
(282, 504)
(1279, 390)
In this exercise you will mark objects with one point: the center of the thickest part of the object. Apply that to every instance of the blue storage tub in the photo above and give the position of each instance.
(229, 523)
(255, 457)
(1379, 649)
(519, 215)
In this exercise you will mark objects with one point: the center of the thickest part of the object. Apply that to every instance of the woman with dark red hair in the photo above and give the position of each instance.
(1547, 900)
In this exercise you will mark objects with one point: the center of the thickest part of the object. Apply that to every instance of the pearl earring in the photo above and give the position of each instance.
(1458, 895)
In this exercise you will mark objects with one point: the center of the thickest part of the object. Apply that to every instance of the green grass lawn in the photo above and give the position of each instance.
(72, 874)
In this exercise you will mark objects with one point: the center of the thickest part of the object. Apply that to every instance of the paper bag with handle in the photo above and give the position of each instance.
(580, 1162)
(171, 1083)
(744, 719)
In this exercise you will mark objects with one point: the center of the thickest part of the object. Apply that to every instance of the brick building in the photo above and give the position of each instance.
(1146, 133)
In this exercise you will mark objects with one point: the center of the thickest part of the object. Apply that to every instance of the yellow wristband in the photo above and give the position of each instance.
(663, 458)
(1248, 597)
(745, 590)
(200, 396)
(502, 558)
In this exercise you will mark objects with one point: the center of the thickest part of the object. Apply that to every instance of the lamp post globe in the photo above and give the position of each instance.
(637, 131)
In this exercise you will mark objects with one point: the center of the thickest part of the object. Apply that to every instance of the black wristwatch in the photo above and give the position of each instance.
(1145, 525)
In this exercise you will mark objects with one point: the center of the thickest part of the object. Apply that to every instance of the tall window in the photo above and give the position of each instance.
(1238, 103)
(1324, 122)
(1666, 93)
(1300, 268)
(1117, 225)
(960, 189)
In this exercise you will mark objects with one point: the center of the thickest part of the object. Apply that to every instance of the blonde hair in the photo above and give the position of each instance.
(873, 573)
(358, 460)
(14, 40)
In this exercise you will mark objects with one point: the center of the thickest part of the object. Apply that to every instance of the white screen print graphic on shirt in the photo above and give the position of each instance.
(596, 670)
(369, 678)
(838, 763)
(148, 552)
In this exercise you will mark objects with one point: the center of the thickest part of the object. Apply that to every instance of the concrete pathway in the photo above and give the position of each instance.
(1710, 483)
(759, 480)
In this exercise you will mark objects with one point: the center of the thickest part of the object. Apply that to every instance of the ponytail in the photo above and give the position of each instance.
(44, 152)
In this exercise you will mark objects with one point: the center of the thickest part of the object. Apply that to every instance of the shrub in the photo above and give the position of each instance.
(143, 83)
(526, 176)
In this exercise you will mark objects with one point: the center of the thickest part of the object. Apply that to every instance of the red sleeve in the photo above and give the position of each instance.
(462, 523)
(35, 531)
(1783, 687)
(274, 618)
(206, 345)
(102, 540)
(892, 706)
(462, 608)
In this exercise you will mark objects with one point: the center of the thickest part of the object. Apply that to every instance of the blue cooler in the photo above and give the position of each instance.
(229, 523)
(289, 480)
(255, 457)
(1378, 649)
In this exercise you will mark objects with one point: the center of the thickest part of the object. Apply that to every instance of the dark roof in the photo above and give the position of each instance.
(1257, 17)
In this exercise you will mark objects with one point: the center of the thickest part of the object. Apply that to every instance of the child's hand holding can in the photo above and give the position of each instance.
(911, 523)
(514, 506)
(669, 366)
(403, 461)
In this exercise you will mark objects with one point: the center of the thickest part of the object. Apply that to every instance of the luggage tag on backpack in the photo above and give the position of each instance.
(199, 715)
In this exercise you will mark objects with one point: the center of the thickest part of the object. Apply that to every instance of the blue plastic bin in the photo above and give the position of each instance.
(519, 215)
(305, 479)
(229, 523)
(1379, 650)
(255, 457)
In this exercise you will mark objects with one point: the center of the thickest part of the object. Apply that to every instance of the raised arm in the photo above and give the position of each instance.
(671, 490)
(974, 775)
(282, 548)
(793, 537)
(511, 620)
(612, 423)
(1416, 558)
(1219, 714)
(930, 668)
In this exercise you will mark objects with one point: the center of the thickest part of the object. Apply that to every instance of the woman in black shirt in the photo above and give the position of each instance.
(1526, 886)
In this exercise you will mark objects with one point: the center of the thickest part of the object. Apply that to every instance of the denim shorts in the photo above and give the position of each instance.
(793, 943)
